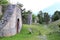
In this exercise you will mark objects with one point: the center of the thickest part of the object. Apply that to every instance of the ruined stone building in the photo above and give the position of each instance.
(29, 19)
(11, 22)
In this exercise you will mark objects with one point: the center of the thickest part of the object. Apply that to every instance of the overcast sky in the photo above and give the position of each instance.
(35, 5)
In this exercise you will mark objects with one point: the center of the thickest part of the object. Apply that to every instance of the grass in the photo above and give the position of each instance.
(54, 36)
(24, 35)
(36, 28)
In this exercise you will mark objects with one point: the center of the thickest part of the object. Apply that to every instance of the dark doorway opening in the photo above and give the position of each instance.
(17, 25)
(59, 26)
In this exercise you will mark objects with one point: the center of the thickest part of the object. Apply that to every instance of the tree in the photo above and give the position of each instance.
(46, 18)
(40, 17)
(33, 18)
(3, 2)
(56, 16)
(25, 15)
(20, 5)
(2, 5)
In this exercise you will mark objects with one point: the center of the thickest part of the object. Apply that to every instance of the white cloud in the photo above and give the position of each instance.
(35, 5)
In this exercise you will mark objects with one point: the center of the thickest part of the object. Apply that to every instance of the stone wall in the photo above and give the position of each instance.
(0, 10)
(19, 16)
(8, 22)
(29, 19)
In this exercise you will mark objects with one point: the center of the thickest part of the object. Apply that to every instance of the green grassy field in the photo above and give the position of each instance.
(54, 36)
(37, 29)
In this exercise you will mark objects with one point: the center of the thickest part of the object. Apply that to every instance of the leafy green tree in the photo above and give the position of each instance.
(40, 17)
(3, 2)
(56, 16)
(2, 5)
(25, 15)
(46, 18)
(33, 18)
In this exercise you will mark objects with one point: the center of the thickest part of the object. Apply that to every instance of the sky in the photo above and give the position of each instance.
(35, 5)
(51, 9)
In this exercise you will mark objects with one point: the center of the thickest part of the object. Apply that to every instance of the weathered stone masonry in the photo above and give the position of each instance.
(11, 22)
(29, 19)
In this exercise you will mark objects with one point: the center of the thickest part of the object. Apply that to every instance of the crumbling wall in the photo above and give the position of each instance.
(8, 22)
(29, 19)
(0, 10)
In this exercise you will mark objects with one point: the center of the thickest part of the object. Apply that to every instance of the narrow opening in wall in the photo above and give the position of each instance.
(17, 25)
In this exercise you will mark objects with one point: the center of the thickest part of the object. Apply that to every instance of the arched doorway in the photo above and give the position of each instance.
(17, 25)
(59, 26)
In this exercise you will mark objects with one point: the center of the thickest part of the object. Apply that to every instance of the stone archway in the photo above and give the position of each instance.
(17, 25)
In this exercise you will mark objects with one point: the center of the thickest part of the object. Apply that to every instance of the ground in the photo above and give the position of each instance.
(39, 32)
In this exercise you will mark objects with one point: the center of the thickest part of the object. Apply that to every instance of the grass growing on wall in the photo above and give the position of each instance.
(1, 17)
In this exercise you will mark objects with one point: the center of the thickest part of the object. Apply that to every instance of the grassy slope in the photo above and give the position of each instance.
(24, 35)
(54, 36)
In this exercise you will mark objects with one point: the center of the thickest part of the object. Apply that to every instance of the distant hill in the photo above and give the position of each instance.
(52, 8)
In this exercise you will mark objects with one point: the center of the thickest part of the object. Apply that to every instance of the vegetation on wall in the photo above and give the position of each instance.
(3, 7)
(3, 2)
